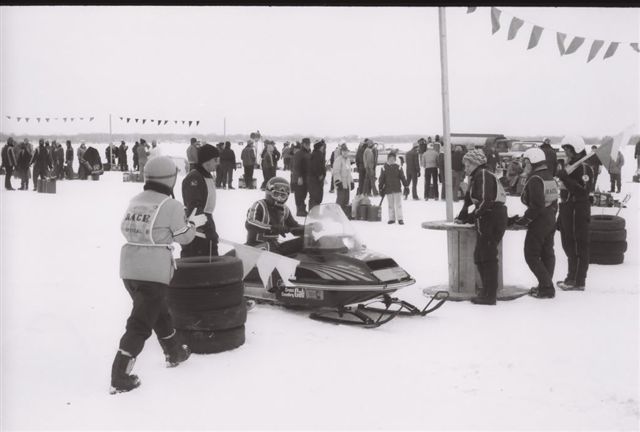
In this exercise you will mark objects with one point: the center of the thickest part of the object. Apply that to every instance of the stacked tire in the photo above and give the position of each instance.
(608, 239)
(206, 300)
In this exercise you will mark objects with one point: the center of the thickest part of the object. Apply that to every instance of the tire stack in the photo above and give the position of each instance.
(207, 304)
(608, 239)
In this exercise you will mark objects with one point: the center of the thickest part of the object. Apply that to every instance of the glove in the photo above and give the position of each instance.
(512, 220)
(352, 186)
(197, 220)
(339, 185)
(522, 222)
(280, 230)
(297, 231)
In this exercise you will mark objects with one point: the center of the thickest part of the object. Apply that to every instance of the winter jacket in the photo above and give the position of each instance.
(575, 187)
(485, 192)
(152, 222)
(300, 166)
(248, 156)
(456, 161)
(143, 154)
(265, 221)
(23, 160)
(360, 155)
(317, 165)
(80, 153)
(286, 153)
(391, 179)
(341, 171)
(636, 154)
(615, 165)
(412, 161)
(228, 157)
(68, 155)
(41, 158)
(199, 192)
(122, 153)
(429, 159)
(192, 154)
(268, 161)
(8, 156)
(540, 193)
(368, 159)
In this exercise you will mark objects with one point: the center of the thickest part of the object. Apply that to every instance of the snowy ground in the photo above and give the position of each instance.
(570, 363)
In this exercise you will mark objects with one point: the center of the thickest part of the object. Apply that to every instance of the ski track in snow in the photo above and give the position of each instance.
(567, 363)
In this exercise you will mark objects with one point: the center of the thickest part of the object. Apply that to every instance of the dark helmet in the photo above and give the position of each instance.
(278, 190)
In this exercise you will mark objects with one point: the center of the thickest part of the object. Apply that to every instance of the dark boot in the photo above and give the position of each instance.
(569, 285)
(543, 292)
(174, 352)
(301, 211)
(488, 274)
(121, 381)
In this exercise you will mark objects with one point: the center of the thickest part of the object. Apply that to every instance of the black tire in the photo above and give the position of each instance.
(205, 299)
(196, 272)
(608, 236)
(219, 319)
(606, 223)
(606, 259)
(608, 248)
(209, 342)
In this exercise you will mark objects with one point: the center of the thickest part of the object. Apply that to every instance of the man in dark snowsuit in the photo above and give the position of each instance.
(317, 174)
(362, 172)
(68, 161)
(41, 162)
(540, 195)
(9, 161)
(122, 156)
(199, 195)
(413, 169)
(490, 218)
(269, 218)
(228, 162)
(550, 156)
(300, 174)
(575, 215)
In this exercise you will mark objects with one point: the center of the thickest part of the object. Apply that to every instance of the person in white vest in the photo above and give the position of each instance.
(152, 222)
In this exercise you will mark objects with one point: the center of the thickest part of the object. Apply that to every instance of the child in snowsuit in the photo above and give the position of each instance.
(152, 222)
(390, 183)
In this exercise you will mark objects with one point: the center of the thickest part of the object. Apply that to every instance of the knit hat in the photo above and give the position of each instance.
(318, 145)
(476, 157)
(343, 146)
(306, 141)
(206, 153)
(416, 144)
(161, 169)
(193, 140)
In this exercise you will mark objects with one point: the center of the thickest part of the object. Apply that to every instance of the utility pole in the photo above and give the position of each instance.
(445, 112)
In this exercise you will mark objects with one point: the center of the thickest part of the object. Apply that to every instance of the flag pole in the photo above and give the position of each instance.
(110, 137)
(445, 112)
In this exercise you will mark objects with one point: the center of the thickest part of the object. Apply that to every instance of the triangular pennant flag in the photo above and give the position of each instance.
(144, 121)
(136, 120)
(574, 45)
(190, 121)
(90, 118)
(18, 118)
(175, 122)
(182, 121)
(64, 118)
(128, 118)
(595, 47)
(266, 263)
(471, 9)
(287, 269)
(71, 118)
(514, 27)
(608, 151)
(120, 118)
(81, 118)
(560, 39)
(47, 119)
(611, 50)
(158, 122)
(26, 119)
(635, 46)
(165, 122)
(197, 122)
(495, 20)
(38, 118)
(249, 256)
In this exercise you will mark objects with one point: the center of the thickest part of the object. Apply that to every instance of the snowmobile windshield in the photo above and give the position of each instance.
(328, 229)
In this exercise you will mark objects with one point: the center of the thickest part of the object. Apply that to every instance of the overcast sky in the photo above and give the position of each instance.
(320, 71)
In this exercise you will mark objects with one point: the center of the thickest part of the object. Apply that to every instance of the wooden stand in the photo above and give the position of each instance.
(464, 278)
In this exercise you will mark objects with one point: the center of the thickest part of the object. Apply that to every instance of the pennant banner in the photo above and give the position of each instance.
(574, 45)
(595, 48)
(560, 37)
(471, 9)
(635, 46)
(613, 46)
(495, 20)
(516, 23)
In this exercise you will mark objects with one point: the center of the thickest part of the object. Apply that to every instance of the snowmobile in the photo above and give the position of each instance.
(338, 278)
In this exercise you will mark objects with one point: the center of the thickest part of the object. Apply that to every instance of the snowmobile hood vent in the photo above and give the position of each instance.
(383, 263)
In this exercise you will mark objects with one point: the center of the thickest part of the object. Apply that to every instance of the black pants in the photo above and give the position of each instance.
(220, 178)
(574, 234)
(38, 173)
(300, 193)
(342, 196)
(267, 174)
(150, 313)
(7, 177)
(316, 192)
(248, 176)
(538, 247)
(227, 173)
(490, 229)
(429, 175)
(413, 180)
(362, 174)
(616, 180)
(203, 246)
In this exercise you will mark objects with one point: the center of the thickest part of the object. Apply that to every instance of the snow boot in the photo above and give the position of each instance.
(569, 285)
(542, 292)
(400, 222)
(174, 352)
(121, 381)
(483, 299)
(301, 212)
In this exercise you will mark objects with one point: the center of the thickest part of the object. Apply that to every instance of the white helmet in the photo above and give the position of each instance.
(574, 141)
(535, 155)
